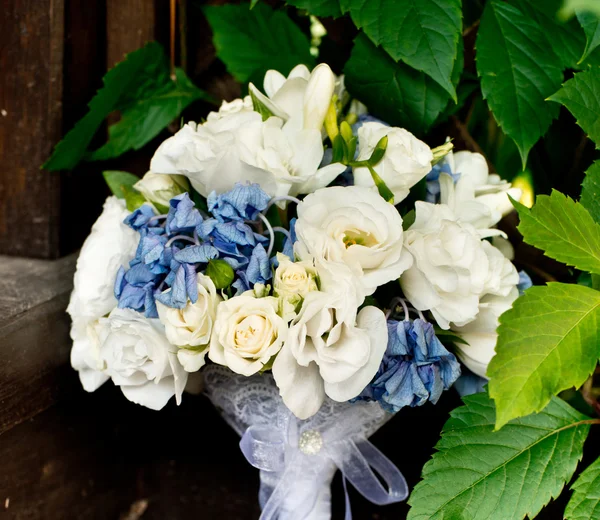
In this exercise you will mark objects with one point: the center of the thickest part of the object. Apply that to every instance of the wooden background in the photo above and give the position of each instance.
(65, 454)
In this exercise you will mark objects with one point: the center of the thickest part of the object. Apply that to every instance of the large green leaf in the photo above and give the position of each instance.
(482, 474)
(591, 27)
(423, 34)
(119, 182)
(141, 89)
(563, 229)
(143, 118)
(566, 39)
(590, 193)
(322, 8)
(570, 7)
(393, 91)
(581, 95)
(250, 42)
(585, 502)
(547, 342)
(518, 72)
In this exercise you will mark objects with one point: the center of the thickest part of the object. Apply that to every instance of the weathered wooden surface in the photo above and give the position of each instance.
(31, 56)
(34, 336)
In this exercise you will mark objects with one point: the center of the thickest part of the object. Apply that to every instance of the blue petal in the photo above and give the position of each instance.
(259, 268)
(243, 202)
(183, 216)
(196, 254)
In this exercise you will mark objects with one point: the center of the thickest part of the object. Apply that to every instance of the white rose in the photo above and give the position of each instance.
(190, 328)
(248, 332)
(330, 350)
(241, 147)
(292, 281)
(160, 189)
(502, 276)
(481, 335)
(140, 359)
(110, 245)
(405, 162)
(356, 226)
(451, 266)
(231, 107)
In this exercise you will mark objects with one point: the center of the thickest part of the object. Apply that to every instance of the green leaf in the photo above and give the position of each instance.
(547, 342)
(140, 87)
(563, 229)
(590, 193)
(424, 34)
(581, 95)
(149, 112)
(518, 72)
(393, 91)
(585, 502)
(119, 181)
(591, 27)
(322, 8)
(482, 474)
(133, 198)
(566, 39)
(252, 42)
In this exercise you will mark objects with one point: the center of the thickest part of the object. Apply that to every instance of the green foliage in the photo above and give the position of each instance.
(250, 42)
(563, 229)
(591, 27)
(581, 95)
(324, 8)
(590, 192)
(140, 88)
(547, 342)
(119, 182)
(518, 72)
(220, 272)
(395, 92)
(423, 34)
(571, 7)
(585, 502)
(482, 474)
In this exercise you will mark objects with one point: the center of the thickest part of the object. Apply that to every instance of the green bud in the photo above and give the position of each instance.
(441, 151)
(350, 140)
(384, 191)
(340, 151)
(331, 122)
(379, 151)
(220, 272)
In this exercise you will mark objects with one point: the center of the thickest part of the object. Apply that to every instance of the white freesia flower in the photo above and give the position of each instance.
(160, 189)
(140, 359)
(356, 226)
(405, 162)
(110, 245)
(190, 328)
(481, 335)
(479, 198)
(292, 281)
(451, 268)
(330, 350)
(302, 99)
(248, 332)
(241, 147)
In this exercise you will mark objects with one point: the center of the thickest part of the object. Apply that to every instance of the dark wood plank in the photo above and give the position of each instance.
(34, 336)
(31, 56)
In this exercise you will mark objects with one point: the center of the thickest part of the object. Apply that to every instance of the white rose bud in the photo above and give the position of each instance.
(140, 359)
(190, 328)
(160, 189)
(248, 333)
(293, 281)
(406, 161)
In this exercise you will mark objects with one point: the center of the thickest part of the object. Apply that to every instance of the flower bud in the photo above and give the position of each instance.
(220, 272)
(159, 189)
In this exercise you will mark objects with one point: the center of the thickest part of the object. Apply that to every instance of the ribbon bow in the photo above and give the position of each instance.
(298, 459)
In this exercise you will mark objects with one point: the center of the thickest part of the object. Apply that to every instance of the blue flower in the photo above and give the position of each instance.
(416, 367)
(243, 202)
(524, 282)
(183, 217)
(141, 218)
(257, 271)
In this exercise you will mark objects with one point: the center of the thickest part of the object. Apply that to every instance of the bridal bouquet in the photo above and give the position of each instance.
(280, 249)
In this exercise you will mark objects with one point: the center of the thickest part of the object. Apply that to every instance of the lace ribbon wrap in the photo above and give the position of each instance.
(298, 459)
